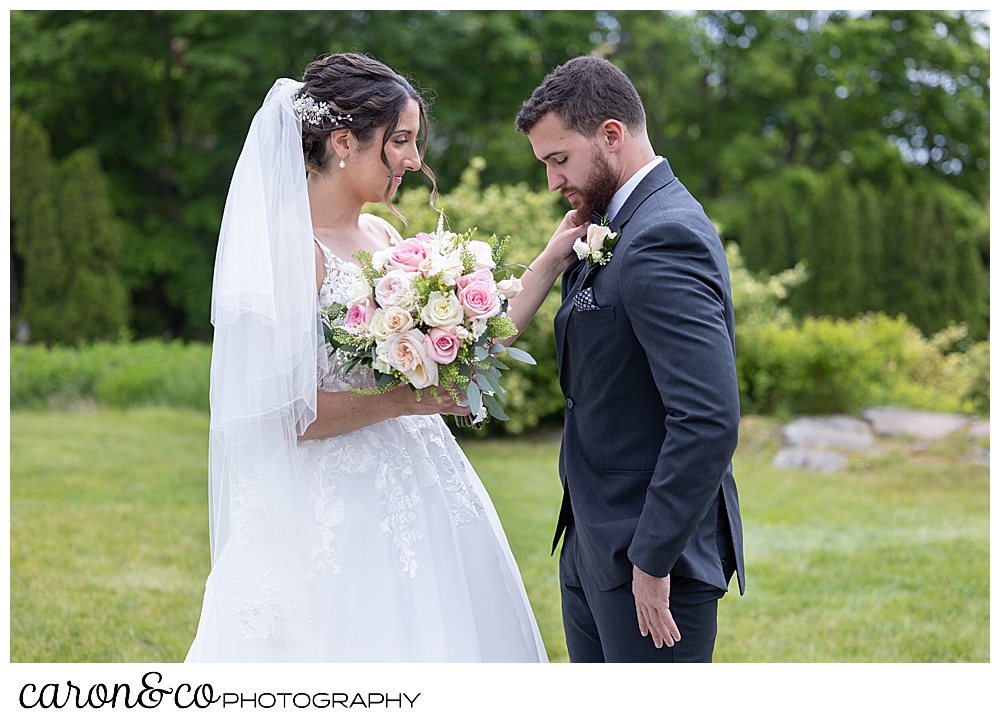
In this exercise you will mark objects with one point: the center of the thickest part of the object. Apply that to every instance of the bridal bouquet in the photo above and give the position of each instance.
(424, 312)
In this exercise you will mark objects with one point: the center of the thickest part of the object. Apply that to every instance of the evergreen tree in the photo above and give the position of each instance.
(898, 247)
(67, 238)
(838, 285)
(92, 242)
(872, 246)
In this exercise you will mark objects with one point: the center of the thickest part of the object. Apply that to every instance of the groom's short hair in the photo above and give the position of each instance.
(584, 92)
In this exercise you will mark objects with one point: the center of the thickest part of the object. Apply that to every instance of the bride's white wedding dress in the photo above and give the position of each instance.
(405, 558)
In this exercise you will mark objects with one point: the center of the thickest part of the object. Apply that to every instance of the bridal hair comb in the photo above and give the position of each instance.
(314, 113)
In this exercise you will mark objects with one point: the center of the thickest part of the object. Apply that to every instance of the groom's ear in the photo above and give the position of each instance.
(611, 135)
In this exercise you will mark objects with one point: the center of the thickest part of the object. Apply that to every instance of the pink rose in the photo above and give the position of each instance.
(478, 277)
(441, 345)
(425, 237)
(361, 314)
(407, 255)
(479, 300)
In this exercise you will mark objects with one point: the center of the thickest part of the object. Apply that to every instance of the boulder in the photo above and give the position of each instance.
(805, 458)
(980, 430)
(922, 425)
(836, 432)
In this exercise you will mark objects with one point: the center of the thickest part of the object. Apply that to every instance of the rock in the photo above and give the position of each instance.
(804, 458)
(981, 456)
(837, 432)
(923, 425)
(979, 430)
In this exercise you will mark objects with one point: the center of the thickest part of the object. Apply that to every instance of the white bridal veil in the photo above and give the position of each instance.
(267, 349)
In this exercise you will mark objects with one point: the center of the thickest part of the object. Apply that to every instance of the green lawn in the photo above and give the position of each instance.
(888, 561)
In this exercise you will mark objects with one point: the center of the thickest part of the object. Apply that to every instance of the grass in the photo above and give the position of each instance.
(886, 561)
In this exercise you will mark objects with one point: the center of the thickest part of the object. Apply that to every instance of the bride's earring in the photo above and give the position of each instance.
(342, 164)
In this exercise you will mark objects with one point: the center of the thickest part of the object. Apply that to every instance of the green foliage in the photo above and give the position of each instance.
(825, 365)
(912, 250)
(123, 374)
(68, 239)
(166, 97)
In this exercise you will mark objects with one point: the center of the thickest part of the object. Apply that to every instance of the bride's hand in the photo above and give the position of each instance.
(560, 246)
(407, 399)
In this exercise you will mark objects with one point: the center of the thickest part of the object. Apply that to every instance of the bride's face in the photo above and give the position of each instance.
(370, 174)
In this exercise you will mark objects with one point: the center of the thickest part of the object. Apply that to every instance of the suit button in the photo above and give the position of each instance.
(569, 402)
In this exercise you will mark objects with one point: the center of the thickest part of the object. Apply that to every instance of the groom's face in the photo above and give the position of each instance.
(574, 165)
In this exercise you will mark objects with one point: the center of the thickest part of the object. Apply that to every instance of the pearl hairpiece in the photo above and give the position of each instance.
(314, 113)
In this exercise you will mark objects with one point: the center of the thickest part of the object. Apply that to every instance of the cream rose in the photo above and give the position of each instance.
(595, 237)
(510, 287)
(483, 253)
(407, 354)
(442, 310)
(386, 322)
(391, 288)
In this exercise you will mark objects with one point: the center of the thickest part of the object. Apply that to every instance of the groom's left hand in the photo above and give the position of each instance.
(652, 606)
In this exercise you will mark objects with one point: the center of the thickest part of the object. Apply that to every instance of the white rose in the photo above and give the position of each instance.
(483, 253)
(510, 287)
(380, 260)
(448, 265)
(581, 248)
(596, 236)
(391, 288)
(442, 310)
(358, 291)
(462, 333)
(406, 353)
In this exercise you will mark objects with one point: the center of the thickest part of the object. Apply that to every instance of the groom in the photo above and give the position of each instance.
(646, 362)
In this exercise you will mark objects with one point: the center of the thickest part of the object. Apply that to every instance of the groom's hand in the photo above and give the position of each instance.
(652, 606)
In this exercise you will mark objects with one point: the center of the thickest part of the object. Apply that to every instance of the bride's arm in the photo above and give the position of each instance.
(543, 272)
(342, 412)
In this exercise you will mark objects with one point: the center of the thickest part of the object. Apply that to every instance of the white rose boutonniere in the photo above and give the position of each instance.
(597, 248)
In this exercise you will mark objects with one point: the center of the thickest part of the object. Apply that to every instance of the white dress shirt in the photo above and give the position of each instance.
(622, 194)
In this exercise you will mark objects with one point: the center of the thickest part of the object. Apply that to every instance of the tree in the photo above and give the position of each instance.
(67, 239)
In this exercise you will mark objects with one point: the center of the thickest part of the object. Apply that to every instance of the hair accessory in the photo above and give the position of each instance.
(342, 164)
(314, 112)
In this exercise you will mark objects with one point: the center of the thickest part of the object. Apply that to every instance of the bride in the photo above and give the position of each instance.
(344, 527)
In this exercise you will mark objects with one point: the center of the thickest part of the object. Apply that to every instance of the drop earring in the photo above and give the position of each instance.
(342, 164)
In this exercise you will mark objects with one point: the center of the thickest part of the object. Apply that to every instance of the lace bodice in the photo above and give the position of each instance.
(339, 276)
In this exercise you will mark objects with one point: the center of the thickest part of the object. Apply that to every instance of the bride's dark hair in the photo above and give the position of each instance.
(372, 94)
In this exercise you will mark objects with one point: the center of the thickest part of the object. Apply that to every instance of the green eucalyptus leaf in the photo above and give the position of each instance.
(520, 355)
(475, 397)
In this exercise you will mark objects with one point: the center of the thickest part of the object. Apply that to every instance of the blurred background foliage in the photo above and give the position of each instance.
(856, 144)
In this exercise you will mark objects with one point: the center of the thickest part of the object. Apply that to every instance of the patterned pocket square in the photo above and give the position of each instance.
(584, 300)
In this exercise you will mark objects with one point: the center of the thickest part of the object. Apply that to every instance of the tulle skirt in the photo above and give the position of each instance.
(403, 559)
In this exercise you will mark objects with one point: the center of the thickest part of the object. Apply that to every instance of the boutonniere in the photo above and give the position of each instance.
(597, 248)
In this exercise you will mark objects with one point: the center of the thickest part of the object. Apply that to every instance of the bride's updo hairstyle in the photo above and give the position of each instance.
(363, 96)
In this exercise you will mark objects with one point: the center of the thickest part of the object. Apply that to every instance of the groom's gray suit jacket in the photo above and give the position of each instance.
(652, 404)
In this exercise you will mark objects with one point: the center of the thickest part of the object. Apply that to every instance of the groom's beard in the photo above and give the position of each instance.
(597, 194)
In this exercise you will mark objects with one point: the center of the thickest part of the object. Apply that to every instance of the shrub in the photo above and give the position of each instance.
(122, 374)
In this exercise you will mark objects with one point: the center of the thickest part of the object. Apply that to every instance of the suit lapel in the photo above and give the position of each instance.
(577, 273)
(660, 176)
